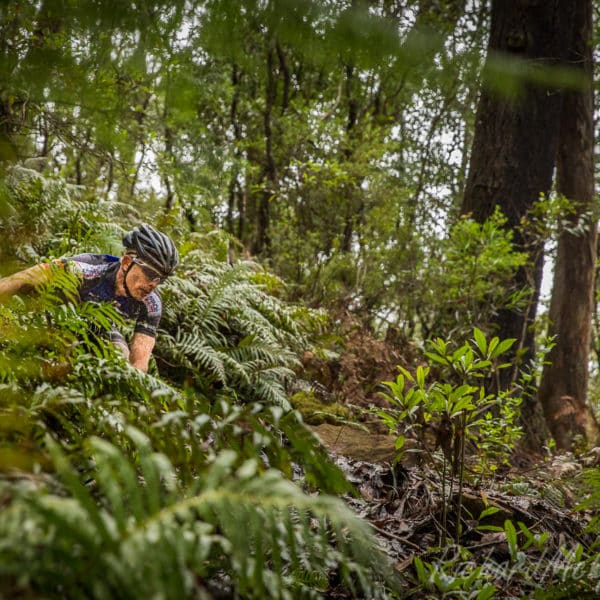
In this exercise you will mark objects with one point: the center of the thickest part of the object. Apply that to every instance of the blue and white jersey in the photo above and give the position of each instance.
(98, 272)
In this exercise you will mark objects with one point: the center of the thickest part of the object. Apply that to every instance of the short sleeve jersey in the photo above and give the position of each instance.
(99, 272)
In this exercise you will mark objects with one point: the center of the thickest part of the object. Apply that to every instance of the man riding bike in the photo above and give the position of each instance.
(129, 283)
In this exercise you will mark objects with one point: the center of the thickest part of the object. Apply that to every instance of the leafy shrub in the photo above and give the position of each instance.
(457, 407)
(468, 278)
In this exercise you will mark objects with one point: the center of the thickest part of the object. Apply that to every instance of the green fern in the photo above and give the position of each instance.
(160, 474)
(222, 327)
(48, 217)
(131, 534)
(60, 381)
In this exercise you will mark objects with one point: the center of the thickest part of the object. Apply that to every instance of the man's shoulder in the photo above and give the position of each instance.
(91, 265)
(93, 259)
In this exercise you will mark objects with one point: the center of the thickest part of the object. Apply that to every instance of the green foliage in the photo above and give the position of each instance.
(51, 329)
(457, 407)
(330, 138)
(137, 531)
(575, 574)
(421, 285)
(48, 217)
(283, 122)
(468, 278)
(444, 578)
(176, 482)
(221, 327)
(533, 570)
(456, 403)
(338, 160)
(591, 497)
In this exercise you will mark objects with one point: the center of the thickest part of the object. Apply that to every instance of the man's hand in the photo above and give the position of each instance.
(141, 351)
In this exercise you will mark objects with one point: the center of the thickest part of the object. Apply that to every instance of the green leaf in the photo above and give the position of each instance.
(79, 491)
(482, 364)
(490, 510)
(489, 528)
(511, 538)
(420, 376)
(459, 353)
(480, 341)
(420, 569)
(406, 373)
(502, 347)
(437, 358)
(461, 405)
(488, 592)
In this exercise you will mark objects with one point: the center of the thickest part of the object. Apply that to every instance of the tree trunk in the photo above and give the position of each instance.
(262, 237)
(235, 195)
(168, 137)
(563, 387)
(513, 154)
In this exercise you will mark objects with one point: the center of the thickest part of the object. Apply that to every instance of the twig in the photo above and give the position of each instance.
(485, 544)
(393, 536)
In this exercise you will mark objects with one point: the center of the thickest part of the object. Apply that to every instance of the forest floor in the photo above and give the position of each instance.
(404, 505)
(521, 526)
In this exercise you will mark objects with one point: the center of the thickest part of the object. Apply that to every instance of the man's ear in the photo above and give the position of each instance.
(126, 261)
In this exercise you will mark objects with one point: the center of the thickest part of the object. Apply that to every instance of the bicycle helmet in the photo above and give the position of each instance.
(153, 247)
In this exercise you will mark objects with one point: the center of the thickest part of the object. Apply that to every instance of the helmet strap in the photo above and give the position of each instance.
(125, 272)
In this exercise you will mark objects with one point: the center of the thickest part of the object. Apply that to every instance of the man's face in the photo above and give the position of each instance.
(141, 278)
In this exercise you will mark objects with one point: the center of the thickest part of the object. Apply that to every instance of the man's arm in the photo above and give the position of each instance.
(141, 350)
(22, 281)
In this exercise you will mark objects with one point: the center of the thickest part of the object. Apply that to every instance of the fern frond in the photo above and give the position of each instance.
(203, 355)
(219, 323)
(146, 537)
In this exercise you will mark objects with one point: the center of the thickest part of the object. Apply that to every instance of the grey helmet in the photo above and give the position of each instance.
(153, 247)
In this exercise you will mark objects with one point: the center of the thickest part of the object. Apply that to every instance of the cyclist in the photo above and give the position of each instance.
(128, 282)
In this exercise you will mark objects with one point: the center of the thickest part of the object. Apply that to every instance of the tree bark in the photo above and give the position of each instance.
(235, 200)
(285, 74)
(262, 237)
(563, 387)
(513, 155)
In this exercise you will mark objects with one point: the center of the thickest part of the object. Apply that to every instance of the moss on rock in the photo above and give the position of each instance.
(316, 412)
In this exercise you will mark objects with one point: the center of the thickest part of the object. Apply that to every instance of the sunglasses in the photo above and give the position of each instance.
(150, 272)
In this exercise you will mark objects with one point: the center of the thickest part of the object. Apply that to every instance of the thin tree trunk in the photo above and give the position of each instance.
(168, 138)
(78, 173)
(285, 73)
(110, 178)
(136, 172)
(262, 240)
(563, 387)
(234, 192)
(351, 209)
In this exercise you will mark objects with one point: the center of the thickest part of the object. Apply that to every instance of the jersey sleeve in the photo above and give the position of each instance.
(84, 268)
(149, 317)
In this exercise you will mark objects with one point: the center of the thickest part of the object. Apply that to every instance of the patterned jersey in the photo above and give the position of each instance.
(98, 272)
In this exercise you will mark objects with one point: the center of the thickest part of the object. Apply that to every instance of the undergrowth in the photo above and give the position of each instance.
(195, 480)
(199, 479)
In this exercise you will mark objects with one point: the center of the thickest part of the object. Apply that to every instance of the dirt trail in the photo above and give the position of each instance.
(356, 443)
